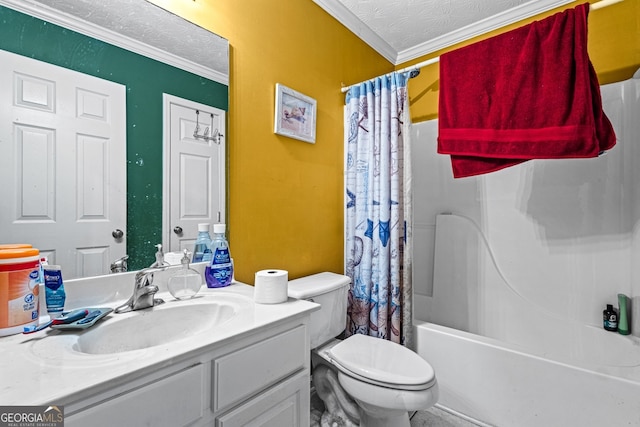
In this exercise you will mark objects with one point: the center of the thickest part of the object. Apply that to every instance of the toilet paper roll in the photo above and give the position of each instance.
(271, 286)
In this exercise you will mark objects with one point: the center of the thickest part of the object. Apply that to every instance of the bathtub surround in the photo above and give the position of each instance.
(564, 234)
(471, 293)
(576, 375)
(635, 316)
(378, 209)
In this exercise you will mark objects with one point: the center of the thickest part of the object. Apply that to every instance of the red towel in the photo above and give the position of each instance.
(530, 93)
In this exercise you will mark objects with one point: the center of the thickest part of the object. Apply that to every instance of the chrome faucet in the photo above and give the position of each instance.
(119, 265)
(143, 291)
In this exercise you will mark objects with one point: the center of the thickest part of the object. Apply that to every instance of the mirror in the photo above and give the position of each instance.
(149, 52)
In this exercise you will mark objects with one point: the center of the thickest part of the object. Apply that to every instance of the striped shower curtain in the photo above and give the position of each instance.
(378, 209)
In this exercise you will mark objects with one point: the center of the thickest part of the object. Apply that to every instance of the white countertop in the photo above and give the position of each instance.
(43, 368)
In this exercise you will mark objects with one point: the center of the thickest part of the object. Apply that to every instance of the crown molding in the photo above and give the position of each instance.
(343, 15)
(81, 26)
(484, 26)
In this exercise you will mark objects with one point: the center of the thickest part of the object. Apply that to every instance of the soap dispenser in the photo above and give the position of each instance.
(159, 262)
(186, 282)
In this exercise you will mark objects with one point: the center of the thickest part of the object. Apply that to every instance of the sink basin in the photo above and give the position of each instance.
(155, 326)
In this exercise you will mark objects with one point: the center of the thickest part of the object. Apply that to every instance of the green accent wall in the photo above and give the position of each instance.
(146, 80)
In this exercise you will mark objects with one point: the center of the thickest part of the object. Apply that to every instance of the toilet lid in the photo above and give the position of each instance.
(316, 284)
(383, 362)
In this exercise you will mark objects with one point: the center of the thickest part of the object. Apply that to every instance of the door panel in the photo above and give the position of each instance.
(62, 164)
(194, 170)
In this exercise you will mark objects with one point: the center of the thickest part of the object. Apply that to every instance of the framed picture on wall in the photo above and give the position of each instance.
(295, 115)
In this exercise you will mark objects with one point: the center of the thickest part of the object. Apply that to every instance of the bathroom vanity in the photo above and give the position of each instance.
(217, 359)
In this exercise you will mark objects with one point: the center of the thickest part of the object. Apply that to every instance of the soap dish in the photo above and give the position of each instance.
(88, 321)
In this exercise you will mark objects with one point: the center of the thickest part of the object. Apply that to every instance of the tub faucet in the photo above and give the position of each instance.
(143, 291)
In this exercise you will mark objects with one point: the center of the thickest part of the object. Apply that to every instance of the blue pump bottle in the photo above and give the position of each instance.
(219, 273)
(202, 249)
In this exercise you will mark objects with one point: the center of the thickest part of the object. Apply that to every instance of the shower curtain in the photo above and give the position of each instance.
(378, 209)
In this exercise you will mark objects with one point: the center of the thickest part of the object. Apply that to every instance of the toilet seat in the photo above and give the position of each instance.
(381, 362)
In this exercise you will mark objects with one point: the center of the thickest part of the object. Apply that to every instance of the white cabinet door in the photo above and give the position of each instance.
(173, 401)
(261, 381)
(62, 164)
(285, 405)
(194, 187)
(245, 372)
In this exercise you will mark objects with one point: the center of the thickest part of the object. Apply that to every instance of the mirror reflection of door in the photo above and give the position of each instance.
(62, 130)
(194, 176)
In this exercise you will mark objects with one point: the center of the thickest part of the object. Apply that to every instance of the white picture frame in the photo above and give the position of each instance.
(295, 114)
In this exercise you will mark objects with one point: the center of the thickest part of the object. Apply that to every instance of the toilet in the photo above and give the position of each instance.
(385, 379)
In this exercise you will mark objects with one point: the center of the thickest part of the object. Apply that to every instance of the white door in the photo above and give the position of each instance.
(194, 177)
(62, 164)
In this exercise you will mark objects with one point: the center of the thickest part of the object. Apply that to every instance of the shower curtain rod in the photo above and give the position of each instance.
(416, 67)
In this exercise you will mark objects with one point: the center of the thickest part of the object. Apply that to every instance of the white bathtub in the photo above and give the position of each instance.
(491, 382)
(504, 361)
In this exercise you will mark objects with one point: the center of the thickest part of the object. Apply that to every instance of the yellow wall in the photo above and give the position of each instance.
(614, 49)
(285, 196)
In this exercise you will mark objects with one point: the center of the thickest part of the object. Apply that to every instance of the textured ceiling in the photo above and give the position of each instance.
(404, 24)
(141, 21)
(402, 30)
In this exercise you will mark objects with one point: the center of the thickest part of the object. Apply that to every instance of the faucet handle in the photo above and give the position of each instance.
(119, 265)
(143, 291)
(144, 277)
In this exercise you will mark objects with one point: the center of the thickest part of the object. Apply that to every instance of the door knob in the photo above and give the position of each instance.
(177, 229)
(117, 233)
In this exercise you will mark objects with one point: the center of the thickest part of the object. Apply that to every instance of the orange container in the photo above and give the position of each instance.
(19, 271)
(15, 246)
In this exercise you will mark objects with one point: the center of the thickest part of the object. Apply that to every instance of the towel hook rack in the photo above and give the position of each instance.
(216, 136)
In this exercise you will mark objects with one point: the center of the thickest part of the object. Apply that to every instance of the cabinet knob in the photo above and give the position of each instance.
(177, 229)
(117, 234)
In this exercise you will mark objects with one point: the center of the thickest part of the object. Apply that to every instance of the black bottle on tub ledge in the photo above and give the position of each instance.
(610, 319)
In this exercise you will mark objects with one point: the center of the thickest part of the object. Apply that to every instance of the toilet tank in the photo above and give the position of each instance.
(330, 291)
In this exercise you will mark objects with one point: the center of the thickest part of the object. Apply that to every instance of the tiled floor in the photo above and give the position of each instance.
(433, 417)
(436, 417)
